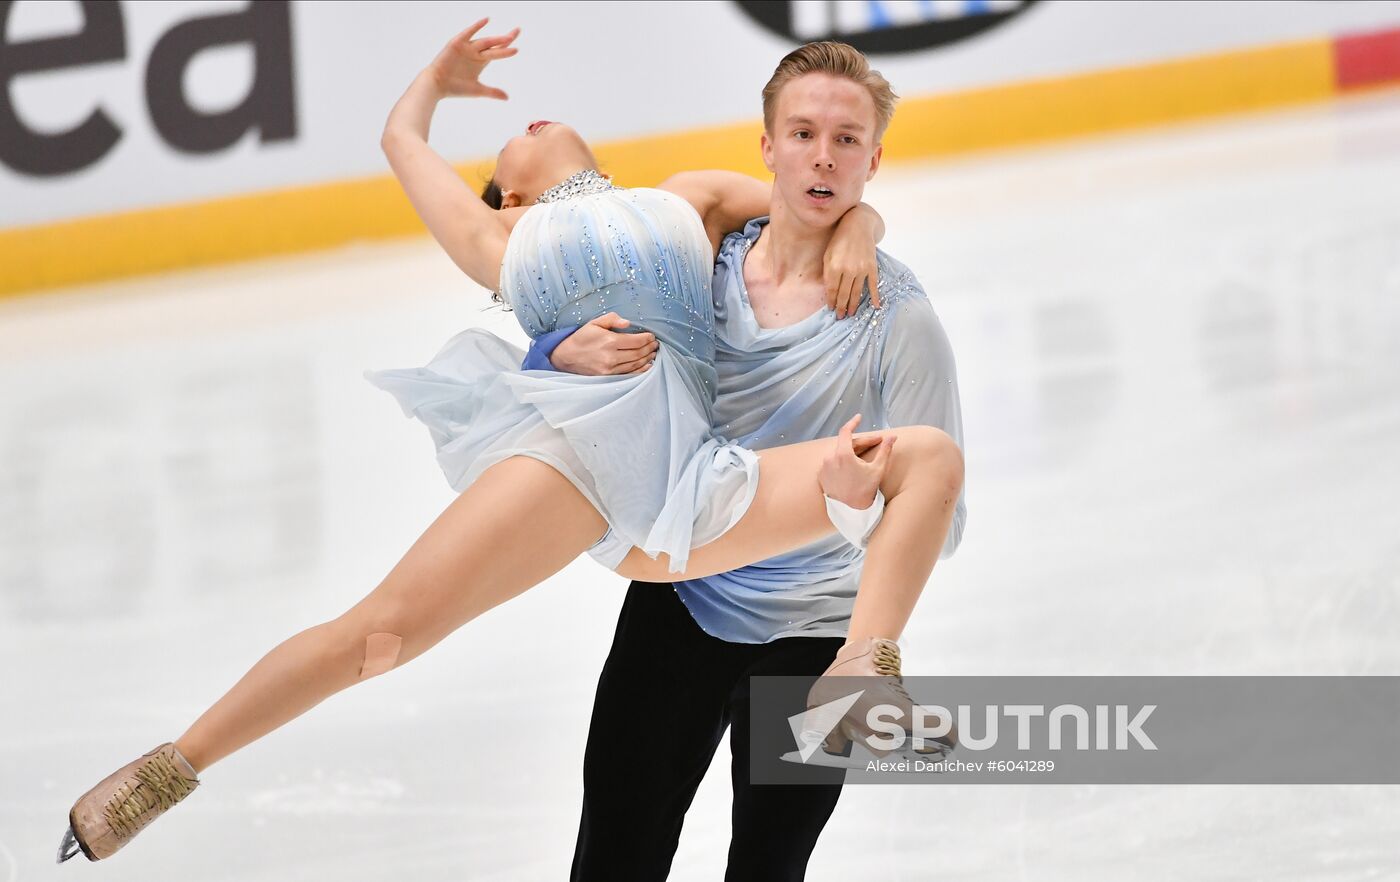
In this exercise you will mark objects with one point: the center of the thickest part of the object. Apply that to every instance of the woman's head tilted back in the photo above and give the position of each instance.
(824, 115)
(547, 153)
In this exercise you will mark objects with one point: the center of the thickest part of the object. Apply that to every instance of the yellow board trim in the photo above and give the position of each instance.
(324, 215)
(1112, 100)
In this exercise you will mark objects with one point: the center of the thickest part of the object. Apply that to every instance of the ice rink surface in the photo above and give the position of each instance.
(1179, 358)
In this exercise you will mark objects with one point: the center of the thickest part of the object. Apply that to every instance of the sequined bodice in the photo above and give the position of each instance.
(639, 252)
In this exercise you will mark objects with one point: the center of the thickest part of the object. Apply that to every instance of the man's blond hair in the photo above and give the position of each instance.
(838, 60)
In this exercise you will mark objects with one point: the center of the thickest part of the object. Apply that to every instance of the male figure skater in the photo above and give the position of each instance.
(789, 370)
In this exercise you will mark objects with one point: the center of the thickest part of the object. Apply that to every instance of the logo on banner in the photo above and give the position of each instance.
(267, 106)
(883, 26)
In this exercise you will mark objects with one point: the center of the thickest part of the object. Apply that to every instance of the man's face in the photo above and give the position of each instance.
(822, 148)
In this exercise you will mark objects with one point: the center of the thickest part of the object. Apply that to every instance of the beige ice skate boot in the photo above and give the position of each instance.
(110, 815)
(871, 667)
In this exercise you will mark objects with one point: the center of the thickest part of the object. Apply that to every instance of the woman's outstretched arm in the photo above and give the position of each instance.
(472, 233)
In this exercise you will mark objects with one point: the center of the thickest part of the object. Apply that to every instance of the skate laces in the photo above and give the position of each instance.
(159, 786)
(887, 659)
(887, 665)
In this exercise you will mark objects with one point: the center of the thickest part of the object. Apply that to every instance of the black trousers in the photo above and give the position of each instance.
(666, 694)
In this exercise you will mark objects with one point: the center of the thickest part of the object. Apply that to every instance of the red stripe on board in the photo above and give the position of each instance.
(1367, 59)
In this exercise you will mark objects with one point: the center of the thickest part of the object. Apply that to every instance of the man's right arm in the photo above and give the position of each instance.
(600, 347)
(542, 347)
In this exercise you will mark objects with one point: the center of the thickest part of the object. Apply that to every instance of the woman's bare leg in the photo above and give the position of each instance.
(921, 488)
(517, 524)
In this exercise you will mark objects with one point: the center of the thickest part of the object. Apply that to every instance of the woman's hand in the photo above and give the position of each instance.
(600, 348)
(850, 261)
(457, 69)
(855, 468)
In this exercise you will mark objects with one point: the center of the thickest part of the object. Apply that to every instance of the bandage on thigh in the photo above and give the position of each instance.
(381, 651)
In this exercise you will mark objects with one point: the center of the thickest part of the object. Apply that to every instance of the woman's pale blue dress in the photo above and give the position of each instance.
(640, 447)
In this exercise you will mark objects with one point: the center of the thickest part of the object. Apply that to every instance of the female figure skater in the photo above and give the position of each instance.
(550, 466)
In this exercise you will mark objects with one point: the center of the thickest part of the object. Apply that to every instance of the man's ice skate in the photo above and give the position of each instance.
(865, 675)
(124, 803)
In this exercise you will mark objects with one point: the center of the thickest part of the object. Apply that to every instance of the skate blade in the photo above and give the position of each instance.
(859, 757)
(820, 757)
(68, 848)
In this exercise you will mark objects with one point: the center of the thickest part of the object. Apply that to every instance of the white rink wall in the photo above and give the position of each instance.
(306, 86)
